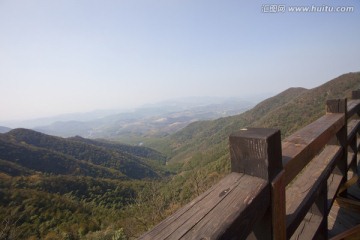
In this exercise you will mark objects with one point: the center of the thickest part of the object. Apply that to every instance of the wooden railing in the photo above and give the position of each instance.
(275, 190)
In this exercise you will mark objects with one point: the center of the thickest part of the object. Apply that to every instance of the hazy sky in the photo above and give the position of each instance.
(61, 56)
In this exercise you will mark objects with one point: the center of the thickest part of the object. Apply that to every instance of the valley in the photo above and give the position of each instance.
(149, 121)
(75, 187)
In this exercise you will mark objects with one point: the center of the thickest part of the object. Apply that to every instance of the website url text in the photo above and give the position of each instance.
(281, 8)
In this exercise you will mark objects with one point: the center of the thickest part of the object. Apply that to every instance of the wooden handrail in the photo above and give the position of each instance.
(299, 148)
(252, 201)
(231, 208)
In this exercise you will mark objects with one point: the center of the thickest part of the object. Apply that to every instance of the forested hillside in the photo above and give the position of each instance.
(77, 188)
(200, 151)
(57, 155)
(57, 188)
(288, 111)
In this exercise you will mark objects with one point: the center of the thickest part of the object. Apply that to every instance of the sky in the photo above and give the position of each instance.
(65, 56)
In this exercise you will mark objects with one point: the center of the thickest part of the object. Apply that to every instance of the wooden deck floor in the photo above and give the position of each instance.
(345, 214)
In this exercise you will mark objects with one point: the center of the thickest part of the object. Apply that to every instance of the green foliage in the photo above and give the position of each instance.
(67, 207)
(288, 111)
(119, 235)
(56, 188)
(76, 188)
(41, 152)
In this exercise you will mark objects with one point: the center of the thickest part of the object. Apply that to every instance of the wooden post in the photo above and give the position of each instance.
(340, 106)
(320, 208)
(257, 152)
(336, 106)
(278, 207)
(355, 94)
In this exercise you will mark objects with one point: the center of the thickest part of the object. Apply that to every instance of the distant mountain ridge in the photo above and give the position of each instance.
(4, 129)
(155, 120)
(67, 187)
(288, 111)
(40, 152)
(310, 105)
(200, 151)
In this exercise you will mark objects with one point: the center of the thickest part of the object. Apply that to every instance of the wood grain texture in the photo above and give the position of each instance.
(341, 219)
(350, 234)
(334, 183)
(355, 94)
(353, 107)
(278, 209)
(336, 106)
(234, 204)
(302, 192)
(256, 152)
(312, 163)
(235, 216)
(308, 227)
(299, 148)
(353, 128)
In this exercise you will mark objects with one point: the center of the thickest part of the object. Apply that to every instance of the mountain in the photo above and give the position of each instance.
(79, 188)
(203, 135)
(307, 107)
(288, 111)
(79, 117)
(142, 152)
(69, 188)
(200, 152)
(156, 120)
(76, 156)
(4, 129)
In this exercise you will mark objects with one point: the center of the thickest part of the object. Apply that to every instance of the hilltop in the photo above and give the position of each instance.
(288, 111)
(77, 156)
(200, 152)
(54, 187)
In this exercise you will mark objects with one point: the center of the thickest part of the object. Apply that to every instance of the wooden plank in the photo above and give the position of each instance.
(350, 159)
(320, 209)
(345, 212)
(244, 187)
(308, 227)
(301, 193)
(334, 183)
(341, 219)
(351, 174)
(278, 207)
(299, 148)
(235, 216)
(169, 225)
(353, 205)
(353, 128)
(352, 233)
(354, 192)
(334, 225)
(353, 107)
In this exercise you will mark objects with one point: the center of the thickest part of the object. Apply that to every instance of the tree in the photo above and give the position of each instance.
(119, 235)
